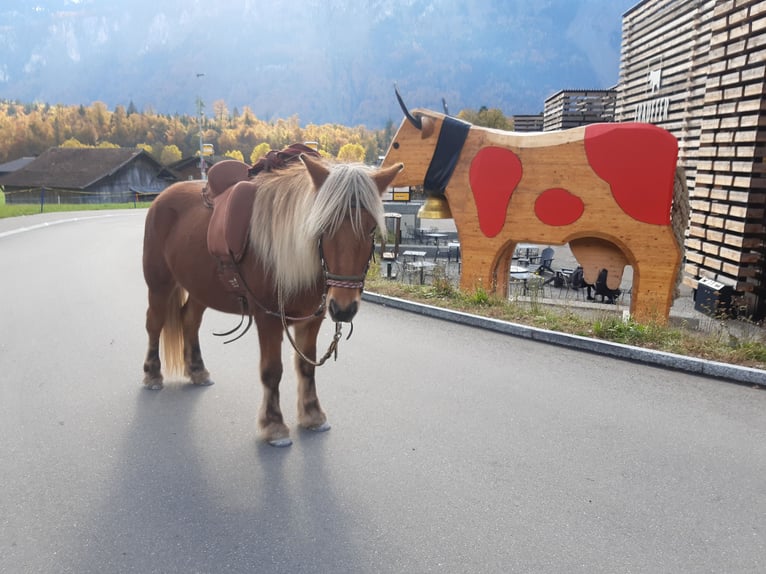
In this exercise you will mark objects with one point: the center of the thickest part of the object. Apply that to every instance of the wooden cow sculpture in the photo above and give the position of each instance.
(606, 189)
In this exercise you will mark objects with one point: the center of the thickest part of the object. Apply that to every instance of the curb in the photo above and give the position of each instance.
(692, 365)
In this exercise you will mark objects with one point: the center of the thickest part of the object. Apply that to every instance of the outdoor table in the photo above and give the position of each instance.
(522, 274)
(417, 262)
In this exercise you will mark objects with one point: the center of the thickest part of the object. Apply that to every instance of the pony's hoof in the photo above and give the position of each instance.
(153, 384)
(281, 442)
(201, 378)
(324, 427)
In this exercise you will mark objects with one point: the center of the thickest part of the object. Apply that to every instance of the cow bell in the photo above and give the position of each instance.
(435, 207)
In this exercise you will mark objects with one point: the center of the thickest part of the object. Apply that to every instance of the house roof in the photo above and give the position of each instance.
(182, 163)
(174, 169)
(16, 164)
(73, 168)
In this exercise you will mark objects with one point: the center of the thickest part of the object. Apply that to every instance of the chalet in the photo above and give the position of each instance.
(85, 175)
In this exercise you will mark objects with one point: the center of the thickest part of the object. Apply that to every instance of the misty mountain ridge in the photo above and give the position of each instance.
(326, 61)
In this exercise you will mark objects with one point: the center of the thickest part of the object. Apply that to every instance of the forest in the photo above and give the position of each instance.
(26, 130)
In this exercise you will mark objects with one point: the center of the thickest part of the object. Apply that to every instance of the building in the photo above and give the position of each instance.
(697, 68)
(85, 175)
(528, 123)
(186, 168)
(572, 108)
(17, 164)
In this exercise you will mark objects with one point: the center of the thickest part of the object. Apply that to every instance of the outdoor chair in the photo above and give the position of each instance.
(546, 261)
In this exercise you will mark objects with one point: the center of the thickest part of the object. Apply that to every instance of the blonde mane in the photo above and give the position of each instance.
(289, 216)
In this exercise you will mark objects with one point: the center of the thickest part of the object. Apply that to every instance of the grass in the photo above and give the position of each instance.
(14, 210)
(722, 345)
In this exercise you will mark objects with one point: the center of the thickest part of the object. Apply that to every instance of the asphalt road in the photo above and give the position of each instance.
(452, 449)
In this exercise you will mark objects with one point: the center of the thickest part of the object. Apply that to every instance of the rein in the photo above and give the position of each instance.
(332, 350)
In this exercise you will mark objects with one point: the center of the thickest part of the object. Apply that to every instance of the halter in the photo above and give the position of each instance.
(343, 281)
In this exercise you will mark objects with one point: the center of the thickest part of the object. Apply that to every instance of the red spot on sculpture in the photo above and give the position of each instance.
(558, 207)
(494, 174)
(638, 161)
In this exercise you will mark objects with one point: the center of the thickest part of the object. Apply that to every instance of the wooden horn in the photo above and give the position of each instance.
(415, 121)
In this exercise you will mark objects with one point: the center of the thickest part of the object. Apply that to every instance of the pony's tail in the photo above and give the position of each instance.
(679, 218)
(172, 336)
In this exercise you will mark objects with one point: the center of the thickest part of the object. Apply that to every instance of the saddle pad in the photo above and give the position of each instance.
(229, 227)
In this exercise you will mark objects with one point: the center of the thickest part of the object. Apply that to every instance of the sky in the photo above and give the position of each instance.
(325, 61)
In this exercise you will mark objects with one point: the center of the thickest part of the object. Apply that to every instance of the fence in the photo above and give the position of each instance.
(45, 196)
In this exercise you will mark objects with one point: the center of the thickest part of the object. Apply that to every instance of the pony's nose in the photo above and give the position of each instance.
(342, 315)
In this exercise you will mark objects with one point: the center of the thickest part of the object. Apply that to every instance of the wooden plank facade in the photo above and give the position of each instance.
(697, 69)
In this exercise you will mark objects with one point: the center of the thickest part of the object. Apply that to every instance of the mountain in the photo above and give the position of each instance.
(326, 61)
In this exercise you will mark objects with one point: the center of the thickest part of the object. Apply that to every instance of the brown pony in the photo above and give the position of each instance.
(309, 248)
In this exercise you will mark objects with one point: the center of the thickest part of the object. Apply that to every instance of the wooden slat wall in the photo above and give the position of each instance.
(712, 54)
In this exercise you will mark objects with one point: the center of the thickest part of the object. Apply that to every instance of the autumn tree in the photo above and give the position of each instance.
(118, 125)
(221, 113)
(259, 151)
(235, 154)
(170, 154)
(228, 139)
(29, 129)
(146, 147)
(98, 116)
(351, 152)
(489, 118)
(72, 142)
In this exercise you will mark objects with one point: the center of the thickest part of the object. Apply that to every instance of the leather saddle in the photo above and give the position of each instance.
(232, 195)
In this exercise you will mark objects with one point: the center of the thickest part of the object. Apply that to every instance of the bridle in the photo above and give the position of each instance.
(330, 280)
(344, 281)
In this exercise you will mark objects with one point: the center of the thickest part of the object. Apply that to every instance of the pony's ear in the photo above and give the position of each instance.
(317, 170)
(384, 177)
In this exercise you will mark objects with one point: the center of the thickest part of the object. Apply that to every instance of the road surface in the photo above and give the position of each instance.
(452, 449)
